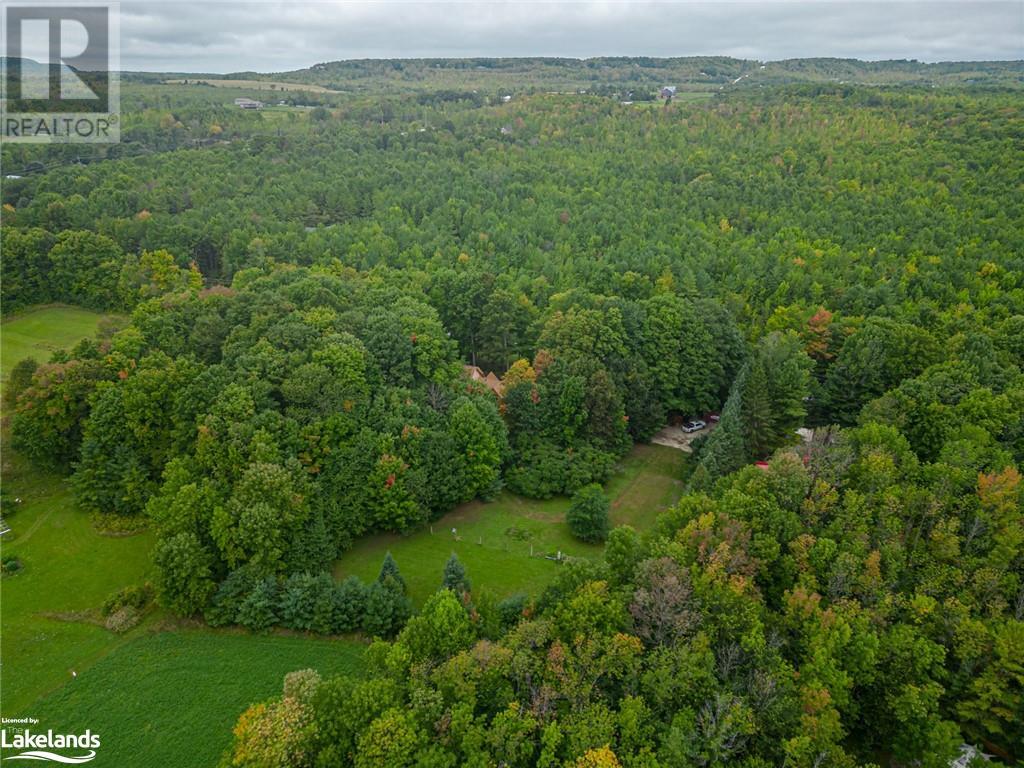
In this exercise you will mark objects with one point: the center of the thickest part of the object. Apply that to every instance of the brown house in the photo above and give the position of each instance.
(490, 380)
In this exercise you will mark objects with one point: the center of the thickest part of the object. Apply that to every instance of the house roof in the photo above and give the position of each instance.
(492, 381)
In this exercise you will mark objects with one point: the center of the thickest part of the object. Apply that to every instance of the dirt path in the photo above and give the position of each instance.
(674, 437)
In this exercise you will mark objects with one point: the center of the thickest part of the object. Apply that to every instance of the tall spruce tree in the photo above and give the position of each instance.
(756, 411)
(389, 568)
(455, 576)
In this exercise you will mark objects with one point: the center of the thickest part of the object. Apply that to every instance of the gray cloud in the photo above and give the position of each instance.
(278, 36)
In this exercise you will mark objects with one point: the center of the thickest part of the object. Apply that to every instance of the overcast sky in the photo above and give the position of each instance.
(279, 36)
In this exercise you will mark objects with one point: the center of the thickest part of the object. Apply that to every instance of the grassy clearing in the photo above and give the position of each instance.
(170, 699)
(40, 332)
(49, 609)
(284, 114)
(494, 540)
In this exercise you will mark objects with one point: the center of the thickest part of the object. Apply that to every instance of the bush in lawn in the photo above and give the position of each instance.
(134, 597)
(223, 609)
(297, 603)
(258, 611)
(588, 514)
(349, 605)
(10, 565)
(455, 576)
(123, 619)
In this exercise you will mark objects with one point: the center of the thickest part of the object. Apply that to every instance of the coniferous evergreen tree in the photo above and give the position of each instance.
(455, 577)
(389, 569)
(757, 410)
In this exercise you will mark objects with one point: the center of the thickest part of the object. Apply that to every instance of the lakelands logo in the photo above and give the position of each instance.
(75, 748)
(60, 73)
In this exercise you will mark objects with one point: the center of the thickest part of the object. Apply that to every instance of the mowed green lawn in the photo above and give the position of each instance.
(170, 699)
(40, 332)
(494, 540)
(49, 610)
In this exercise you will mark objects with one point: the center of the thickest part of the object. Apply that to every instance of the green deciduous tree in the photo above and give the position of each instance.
(588, 514)
(184, 583)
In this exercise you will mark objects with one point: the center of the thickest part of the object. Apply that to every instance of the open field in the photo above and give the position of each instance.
(50, 608)
(494, 540)
(49, 623)
(42, 331)
(170, 699)
(281, 114)
(256, 85)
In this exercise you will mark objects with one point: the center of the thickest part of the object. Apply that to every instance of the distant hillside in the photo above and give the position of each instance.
(27, 65)
(621, 74)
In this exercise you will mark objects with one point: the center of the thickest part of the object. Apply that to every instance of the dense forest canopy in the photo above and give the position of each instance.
(301, 290)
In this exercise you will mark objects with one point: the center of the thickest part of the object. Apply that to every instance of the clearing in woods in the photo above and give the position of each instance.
(41, 331)
(494, 539)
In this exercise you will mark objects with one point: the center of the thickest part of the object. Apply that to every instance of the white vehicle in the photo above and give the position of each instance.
(694, 426)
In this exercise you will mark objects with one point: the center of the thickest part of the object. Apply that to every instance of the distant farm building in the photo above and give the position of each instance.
(489, 380)
(668, 92)
(248, 104)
